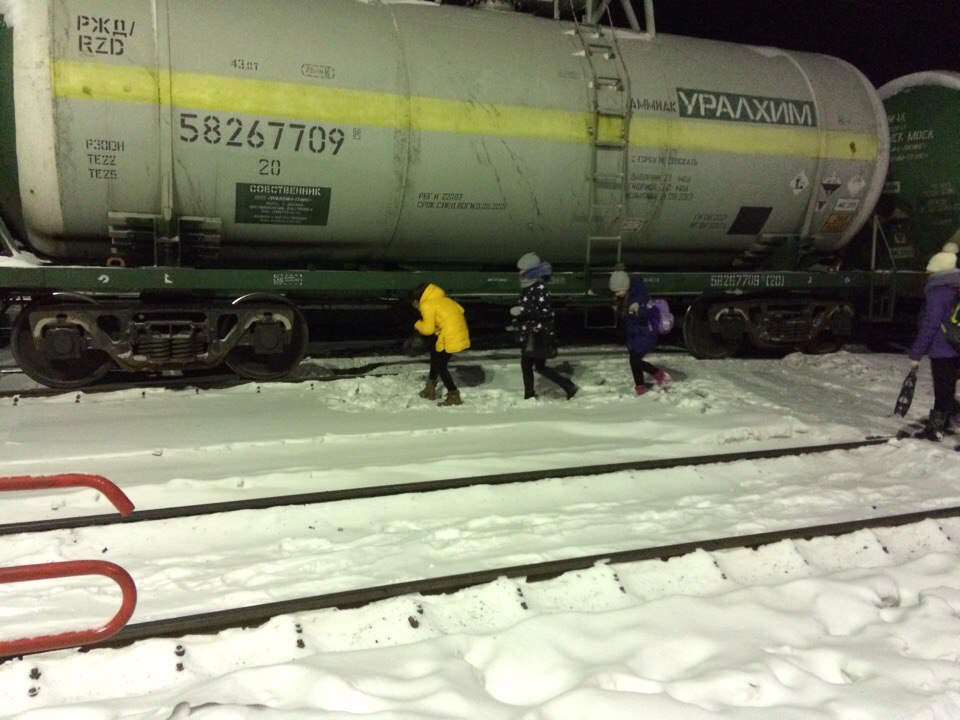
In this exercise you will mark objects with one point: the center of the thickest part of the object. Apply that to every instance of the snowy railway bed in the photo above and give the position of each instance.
(710, 623)
(380, 491)
(252, 616)
(266, 560)
(721, 632)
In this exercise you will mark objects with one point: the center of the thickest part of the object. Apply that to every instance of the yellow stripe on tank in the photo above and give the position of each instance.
(113, 83)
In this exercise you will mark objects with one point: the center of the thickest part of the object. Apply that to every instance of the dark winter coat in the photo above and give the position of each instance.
(941, 297)
(641, 338)
(536, 311)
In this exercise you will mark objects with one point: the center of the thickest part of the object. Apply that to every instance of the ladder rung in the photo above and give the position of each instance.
(607, 208)
(610, 144)
(612, 113)
(606, 81)
(600, 177)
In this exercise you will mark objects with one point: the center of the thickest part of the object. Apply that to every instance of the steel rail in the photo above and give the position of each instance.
(220, 381)
(255, 615)
(424, 486)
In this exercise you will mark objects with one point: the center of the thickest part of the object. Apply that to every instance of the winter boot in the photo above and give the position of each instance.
(936, 425)
(530, 395)
(954, 419)
(570, 389)
(452, 398)
(430, 390)
(661, 378)
(640, 389)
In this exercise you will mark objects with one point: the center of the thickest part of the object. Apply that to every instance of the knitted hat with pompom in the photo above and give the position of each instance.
(619, 281)
(528, 261)
(945, 260)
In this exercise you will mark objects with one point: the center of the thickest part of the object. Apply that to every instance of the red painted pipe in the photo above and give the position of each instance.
(47, 571)
(114, 494)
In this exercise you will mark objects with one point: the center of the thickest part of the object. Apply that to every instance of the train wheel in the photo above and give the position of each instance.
(700, 340)
(268, 360)
(824, 344)
(67, 363)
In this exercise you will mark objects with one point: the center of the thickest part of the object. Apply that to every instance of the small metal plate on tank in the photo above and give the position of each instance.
(265, 204)
(750, 220)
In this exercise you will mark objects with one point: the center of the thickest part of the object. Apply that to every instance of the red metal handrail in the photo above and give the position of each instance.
(73, 568)
(114, 494)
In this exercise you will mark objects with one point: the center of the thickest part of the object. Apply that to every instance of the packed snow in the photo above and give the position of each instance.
(866, 625)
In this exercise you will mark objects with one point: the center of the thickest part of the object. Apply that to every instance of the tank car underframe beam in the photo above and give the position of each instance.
(111, 281)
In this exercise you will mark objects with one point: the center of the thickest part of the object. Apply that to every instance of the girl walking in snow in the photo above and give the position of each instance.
(942, 292)
(443, 317)
(534, 319)
(637, 321)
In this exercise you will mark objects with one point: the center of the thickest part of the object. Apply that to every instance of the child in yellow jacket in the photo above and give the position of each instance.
(443, 317)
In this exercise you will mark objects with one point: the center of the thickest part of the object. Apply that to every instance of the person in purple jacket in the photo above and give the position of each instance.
(638, 322)
(942, 291)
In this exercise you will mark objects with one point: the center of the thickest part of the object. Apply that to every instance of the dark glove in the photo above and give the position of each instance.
(414, 345)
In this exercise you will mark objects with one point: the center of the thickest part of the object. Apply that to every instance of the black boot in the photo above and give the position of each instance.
(430, 390)
(570, 389)
(936, 425)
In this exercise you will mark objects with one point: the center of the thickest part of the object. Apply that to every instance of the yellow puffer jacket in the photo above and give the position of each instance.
(443, 317)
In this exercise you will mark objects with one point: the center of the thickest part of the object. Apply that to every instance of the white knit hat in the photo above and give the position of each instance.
(619, 281)
(530, 260)
(945, 260)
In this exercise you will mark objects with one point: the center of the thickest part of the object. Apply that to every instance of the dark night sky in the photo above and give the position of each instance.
(883, 38)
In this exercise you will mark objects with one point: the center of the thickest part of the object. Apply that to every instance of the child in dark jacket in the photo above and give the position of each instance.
(639, 325)
(942, 293)
(534, 318)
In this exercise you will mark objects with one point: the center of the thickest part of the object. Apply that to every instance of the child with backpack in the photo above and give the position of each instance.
(641, 321)
(942, 293)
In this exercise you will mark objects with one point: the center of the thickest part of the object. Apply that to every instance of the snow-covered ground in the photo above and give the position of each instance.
(864, 626)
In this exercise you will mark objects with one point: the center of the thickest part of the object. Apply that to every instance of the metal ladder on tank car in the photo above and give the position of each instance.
(608, 174)
(610, 104)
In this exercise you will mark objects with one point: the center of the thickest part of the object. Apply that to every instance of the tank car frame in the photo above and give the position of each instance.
(78, 323)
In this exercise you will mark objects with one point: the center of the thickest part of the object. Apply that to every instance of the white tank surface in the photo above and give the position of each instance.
(408, 132)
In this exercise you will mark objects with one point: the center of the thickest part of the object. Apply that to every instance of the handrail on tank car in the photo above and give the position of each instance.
(74, 568)
(114, 494)
(891, 300)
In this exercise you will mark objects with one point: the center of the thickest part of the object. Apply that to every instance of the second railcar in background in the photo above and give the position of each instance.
(921, 199)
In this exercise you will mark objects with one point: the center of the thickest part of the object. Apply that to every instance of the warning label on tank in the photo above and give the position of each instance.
(263, 204)
(837, 222)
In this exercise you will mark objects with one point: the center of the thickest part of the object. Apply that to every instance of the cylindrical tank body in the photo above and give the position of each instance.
(922, 196)
(325, 131)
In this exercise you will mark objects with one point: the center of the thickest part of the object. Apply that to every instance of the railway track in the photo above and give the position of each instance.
(255, 615)
(224, 380)
(380, 491)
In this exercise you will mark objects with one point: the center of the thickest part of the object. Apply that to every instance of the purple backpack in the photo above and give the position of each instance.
(662, 320)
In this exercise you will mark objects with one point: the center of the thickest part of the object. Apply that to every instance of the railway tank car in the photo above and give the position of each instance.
(921, 199)
(287, 134)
